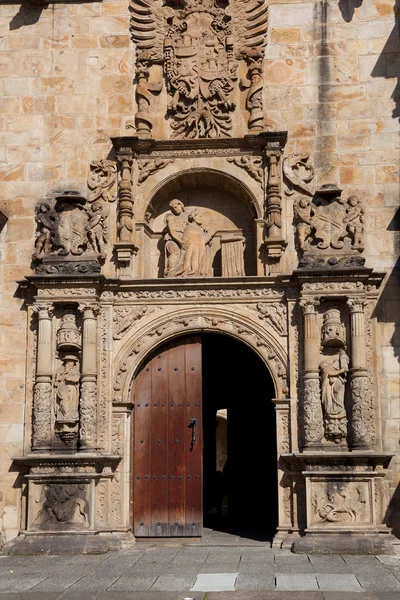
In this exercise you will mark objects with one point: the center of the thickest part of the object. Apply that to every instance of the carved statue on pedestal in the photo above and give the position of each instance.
(67, 394)
(333, 387)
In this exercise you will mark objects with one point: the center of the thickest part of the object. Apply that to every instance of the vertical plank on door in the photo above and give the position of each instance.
(159, 446)
(142, 450)
(193, 409)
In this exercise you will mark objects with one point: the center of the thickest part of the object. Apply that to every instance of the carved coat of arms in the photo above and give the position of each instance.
(199, 43)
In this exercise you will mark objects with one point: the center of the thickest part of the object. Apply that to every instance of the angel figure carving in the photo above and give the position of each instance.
(199, 44)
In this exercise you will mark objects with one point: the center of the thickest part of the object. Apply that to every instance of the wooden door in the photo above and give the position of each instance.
(167, 459)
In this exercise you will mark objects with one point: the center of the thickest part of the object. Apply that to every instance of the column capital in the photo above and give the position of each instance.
(89, 311)
(309, 305)
(356, 305)
(43, 311)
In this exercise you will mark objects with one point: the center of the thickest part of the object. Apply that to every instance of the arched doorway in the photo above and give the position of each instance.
(180, 479)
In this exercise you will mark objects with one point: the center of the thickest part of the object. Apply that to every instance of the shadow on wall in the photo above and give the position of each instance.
(28, 14)
(392, 516)
(347, 8)
(388, 64)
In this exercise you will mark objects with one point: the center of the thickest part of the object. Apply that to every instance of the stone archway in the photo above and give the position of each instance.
(188, 320)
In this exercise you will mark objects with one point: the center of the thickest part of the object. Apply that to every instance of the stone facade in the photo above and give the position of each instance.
(154, 186)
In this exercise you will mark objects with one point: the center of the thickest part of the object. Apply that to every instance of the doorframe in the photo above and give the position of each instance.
(178, 322)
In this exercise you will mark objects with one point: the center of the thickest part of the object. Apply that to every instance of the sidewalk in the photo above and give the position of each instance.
(178, 571)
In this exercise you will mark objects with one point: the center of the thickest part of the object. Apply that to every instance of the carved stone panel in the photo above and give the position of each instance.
(336, 503)
(61, 504)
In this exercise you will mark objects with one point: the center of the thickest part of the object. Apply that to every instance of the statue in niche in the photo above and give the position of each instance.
(333, 387)
(176, 222)
(187, 243)
(67, 386)
(196, 246)
(63, 503)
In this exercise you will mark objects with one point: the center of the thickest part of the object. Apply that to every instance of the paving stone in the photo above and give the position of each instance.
(19, 584)
(219, 567)
(59, 582)
(215, 582)
(296, 582)
(149, 595)
(172, 583)
(386, 583)
(77, 596)
(269, 595)
(351, 596)
(138, 583)
(158, 556)
(146, 569)
(389, 561)
(257, 568)
(255, 582)
(93, 583)
(329, 564)
(338, 583)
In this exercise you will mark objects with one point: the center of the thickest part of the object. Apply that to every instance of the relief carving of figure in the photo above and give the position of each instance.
(196, 246)
(67, 386)
(333, 387)
(187, 243)
(354, 221)
(303, 217)
(46, 219)
(176, 222)
(342, 504)
(63, 503)
(97, 229)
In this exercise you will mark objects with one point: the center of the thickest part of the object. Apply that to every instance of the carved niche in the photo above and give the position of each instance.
(330, 230)
(197, 47)
(72, 231)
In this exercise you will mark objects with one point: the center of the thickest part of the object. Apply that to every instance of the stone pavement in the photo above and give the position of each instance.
(203, 571)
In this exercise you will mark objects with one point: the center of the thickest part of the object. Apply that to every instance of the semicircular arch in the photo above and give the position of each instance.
(191, 320)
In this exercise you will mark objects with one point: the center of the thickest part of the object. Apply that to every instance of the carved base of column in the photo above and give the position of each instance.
(275, 247)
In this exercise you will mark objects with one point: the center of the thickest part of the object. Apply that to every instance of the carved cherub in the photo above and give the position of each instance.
(354, 220)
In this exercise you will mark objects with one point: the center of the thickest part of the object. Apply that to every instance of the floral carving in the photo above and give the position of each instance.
(42, 408)
(276, 314)
(298, 175)
(312, 411)
(88, 410)
(102, 178)
(196, 294)
(363, 412)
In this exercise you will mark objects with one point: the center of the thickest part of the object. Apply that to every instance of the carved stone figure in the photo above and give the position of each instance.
(302, 211)
(199, 44)
(333, 382)
(343, 503)
(124, 318)
(275, 314)
(97, 229)
(148, 167)
(195, 244)
(176, 222)
(63, 503)
(354, 221)
(47, 219)
(67, 386)
(253, 165)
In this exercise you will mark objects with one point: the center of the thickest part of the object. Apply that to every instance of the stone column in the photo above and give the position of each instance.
(274, 242)
(88, 398)
(362, 400)
(42, 436)
(125, 247)
(312, 407)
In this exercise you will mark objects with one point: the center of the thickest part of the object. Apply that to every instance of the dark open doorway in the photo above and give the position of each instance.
(239, 448)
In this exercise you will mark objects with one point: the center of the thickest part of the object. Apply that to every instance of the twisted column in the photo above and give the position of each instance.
(362, 400)
(88, 399)
(42, 436)
(312, 407)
